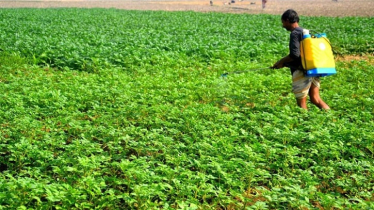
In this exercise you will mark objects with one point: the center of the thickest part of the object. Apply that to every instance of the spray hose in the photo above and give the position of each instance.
(239, 72)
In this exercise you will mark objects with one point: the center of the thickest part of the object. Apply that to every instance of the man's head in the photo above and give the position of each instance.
(290, 19)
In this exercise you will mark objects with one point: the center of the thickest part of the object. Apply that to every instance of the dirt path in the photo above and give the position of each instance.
(334, 8)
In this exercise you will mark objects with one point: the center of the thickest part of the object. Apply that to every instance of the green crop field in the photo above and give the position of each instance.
(116, 109)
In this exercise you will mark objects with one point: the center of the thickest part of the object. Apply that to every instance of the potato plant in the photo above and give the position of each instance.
(113, 109)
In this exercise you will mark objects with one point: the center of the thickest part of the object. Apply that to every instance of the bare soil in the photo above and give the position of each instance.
(331, 8)
(347, 58)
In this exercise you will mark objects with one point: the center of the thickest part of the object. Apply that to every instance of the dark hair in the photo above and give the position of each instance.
(291, 15)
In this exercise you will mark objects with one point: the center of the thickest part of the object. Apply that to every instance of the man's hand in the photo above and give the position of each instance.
(278, 65)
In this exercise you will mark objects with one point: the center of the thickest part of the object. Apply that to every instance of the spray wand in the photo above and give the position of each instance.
(239, 72)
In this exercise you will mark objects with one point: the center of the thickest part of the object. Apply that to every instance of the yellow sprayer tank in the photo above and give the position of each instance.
(316, 55)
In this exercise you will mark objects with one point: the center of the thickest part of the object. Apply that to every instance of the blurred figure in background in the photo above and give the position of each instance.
(264, 4)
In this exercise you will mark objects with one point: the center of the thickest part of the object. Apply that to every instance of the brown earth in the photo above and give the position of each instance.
(332, 8)
(369, 58)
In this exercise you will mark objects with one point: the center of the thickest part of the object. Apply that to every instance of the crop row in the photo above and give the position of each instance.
(157, 128)
(90, 39)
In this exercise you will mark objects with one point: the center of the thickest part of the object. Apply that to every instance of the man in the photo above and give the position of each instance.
(301, 86)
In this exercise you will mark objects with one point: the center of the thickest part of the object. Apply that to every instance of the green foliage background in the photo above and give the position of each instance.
(113, 109)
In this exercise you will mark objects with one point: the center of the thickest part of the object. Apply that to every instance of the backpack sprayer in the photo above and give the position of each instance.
(316, 55)
(224, 75)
